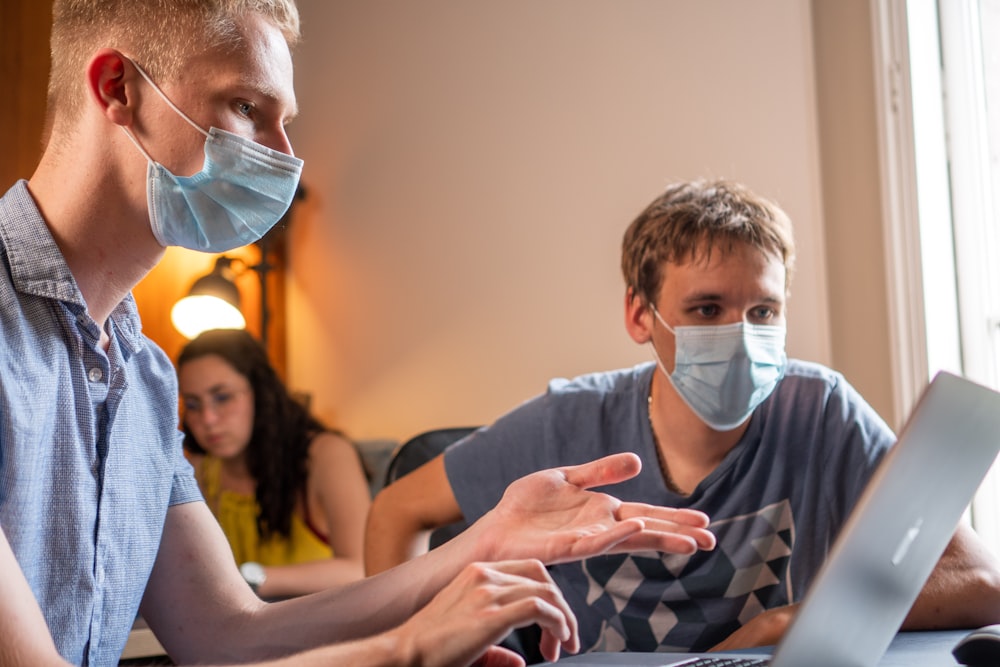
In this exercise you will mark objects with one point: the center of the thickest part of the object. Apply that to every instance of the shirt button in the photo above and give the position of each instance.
(95, 374)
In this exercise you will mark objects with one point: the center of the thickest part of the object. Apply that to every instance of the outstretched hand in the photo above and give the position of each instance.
(550, 515)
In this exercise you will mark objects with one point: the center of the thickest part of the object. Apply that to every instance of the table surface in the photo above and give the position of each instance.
(908, 649)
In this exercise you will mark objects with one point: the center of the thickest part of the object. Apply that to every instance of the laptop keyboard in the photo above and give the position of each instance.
(724, 662)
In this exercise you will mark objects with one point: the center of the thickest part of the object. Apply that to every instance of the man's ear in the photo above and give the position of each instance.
(109, 86)
(638, 318)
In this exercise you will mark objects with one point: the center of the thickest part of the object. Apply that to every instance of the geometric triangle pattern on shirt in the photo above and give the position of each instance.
(648, 601)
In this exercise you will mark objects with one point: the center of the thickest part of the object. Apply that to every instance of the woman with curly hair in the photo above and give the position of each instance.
(290, 494)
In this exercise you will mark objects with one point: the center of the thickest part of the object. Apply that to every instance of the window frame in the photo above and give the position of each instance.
(930, 91)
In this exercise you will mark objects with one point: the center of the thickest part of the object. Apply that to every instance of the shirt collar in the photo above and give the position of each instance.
(38, 268)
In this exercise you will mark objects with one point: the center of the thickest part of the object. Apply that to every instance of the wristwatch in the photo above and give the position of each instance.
(254, 574)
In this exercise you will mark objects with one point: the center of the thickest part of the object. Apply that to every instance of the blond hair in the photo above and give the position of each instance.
(160, 34)
(691, 219)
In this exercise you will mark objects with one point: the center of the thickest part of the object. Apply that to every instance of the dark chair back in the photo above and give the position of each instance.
(417, 451)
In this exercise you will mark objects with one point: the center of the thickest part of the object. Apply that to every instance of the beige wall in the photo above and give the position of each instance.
(472, 166)
(852, 211)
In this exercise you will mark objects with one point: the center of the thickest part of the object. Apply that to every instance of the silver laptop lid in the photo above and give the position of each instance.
(898, 530)
(891, 542)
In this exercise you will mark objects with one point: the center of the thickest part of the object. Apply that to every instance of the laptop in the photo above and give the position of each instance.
(889, 544)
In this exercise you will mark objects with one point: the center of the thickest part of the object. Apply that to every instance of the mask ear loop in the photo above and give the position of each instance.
(662, 321)
(128, 133)
(165, 98)
(652, 346)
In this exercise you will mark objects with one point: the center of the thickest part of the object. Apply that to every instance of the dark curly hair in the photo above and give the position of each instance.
(283, 428)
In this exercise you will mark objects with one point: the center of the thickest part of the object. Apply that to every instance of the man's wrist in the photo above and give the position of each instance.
(480, 542)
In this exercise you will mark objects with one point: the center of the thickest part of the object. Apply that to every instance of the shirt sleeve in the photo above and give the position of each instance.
(184, 488)
(866, 439)
(482, 465)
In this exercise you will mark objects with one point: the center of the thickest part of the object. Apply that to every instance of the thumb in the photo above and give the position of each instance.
(603, 471)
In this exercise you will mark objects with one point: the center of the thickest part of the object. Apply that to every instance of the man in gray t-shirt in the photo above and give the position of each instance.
(776, 452)
(773, 529)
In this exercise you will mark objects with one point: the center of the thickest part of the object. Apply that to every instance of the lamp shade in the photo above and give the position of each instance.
(213, 302)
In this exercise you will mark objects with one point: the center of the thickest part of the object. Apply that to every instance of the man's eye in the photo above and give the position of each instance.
(192, 406)
(244, 108)
(708, 311)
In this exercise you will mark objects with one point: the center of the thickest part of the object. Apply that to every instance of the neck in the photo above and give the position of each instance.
(104, 238)
(689, 450)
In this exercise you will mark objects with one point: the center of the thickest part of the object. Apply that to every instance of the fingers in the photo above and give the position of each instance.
(607, 470)
(481, 606)
(513, 594)
(668, 543)
(526, 594)
(669, 523)
(668, 538)
(646, 528)
(597, 540)
(618, 540)
(498, 656)
(686, 517)
(550, 515)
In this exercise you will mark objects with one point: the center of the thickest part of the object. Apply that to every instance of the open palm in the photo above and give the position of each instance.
(552, 516)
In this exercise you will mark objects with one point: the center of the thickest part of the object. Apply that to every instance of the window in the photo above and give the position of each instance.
(971, 77)
(939, 93)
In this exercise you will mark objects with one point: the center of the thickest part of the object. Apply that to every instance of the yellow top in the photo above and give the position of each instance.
(237, 514)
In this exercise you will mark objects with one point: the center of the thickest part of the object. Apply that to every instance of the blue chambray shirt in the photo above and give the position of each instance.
(90, 454)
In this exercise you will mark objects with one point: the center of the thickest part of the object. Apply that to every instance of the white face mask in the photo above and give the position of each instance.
(240, 192)
(724, 372)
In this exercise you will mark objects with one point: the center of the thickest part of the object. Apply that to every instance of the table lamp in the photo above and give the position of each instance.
(213, 302)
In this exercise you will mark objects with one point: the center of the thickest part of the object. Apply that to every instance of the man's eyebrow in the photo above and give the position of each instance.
(702, 296)
(271, 97)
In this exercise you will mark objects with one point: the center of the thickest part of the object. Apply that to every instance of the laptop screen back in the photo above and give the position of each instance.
(899, 529)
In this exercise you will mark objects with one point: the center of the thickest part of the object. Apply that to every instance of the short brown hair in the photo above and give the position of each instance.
(159, 34)
(691, 219)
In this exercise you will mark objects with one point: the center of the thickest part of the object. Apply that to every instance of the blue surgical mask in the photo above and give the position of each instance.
(724, 372)
(242, 190)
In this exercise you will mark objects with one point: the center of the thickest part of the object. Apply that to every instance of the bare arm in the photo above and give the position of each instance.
(963, 591)
(199, 606)
(403, 514)
(201, 610)
(24, 637)
(338, 497)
